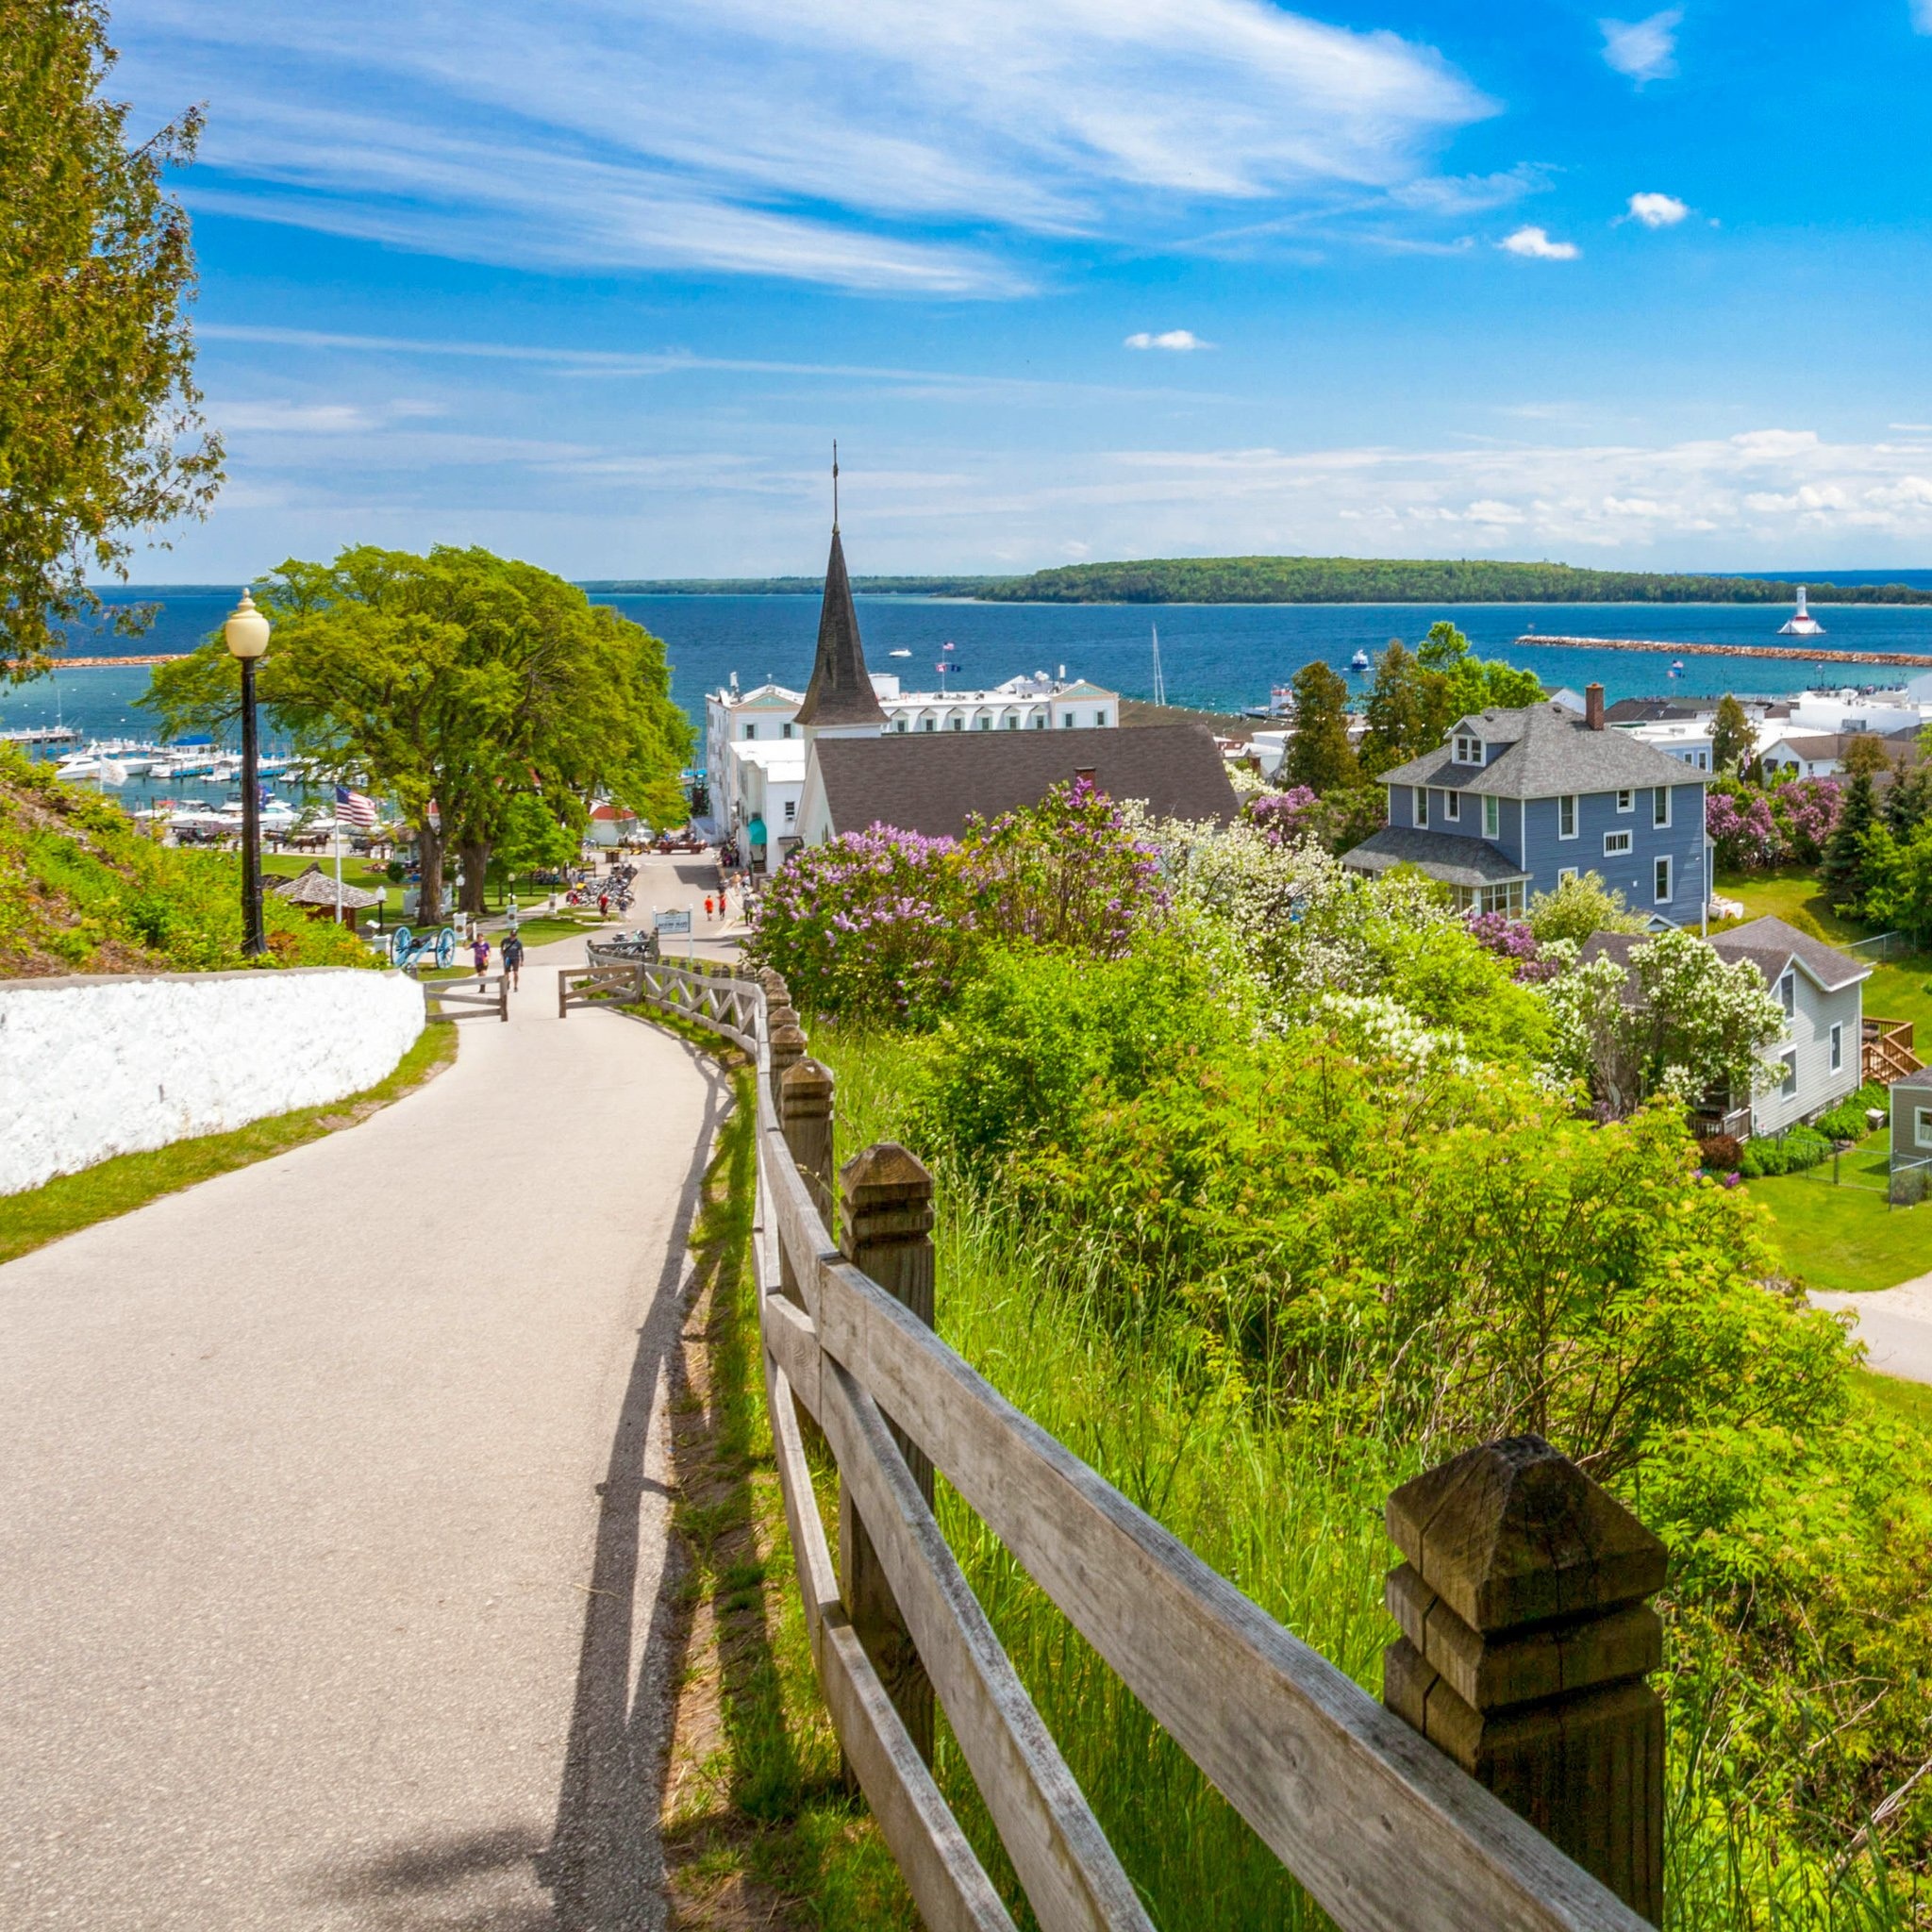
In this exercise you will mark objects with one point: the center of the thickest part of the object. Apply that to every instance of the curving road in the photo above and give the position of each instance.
(1895, 1326)
(332, 1519)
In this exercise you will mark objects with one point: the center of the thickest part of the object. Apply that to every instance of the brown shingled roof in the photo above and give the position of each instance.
(933, 782)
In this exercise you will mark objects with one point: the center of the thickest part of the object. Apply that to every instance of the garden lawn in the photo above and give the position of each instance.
(1898, 989)
(71, 1201)
(1848, 1239)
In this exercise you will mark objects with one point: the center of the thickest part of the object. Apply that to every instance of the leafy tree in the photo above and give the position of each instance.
(1320, 755)
(533, 836)
(1580, 905)
(1732, 738)
(1865, 757)
(457, 680)
(100, 434)
(1397, 710)
(1843, 866)
(1897, 879)
(1678, 1019)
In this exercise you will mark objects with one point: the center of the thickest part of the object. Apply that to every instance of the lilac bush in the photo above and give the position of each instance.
(1509, 939)
(1805, 811)
(1286, 818)
(1741, 826)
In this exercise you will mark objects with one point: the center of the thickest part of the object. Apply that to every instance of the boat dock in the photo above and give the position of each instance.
(41, 734)
(1791, 652)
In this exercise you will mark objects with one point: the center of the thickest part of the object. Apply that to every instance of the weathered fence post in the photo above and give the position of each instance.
(885, 1228)
(788, 1049)
(805, 1111)
(1527, 1637)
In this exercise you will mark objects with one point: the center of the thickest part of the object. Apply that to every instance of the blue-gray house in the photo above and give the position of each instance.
(1512, 801)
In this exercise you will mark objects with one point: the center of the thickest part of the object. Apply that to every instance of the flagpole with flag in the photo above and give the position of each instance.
(358, 810)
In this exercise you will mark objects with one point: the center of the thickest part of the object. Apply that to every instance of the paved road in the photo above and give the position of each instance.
(1895, 1326)
(309, 1614)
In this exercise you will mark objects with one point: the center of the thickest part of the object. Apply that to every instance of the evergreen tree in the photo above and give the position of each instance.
(1319, 754)
(1865, 757)
(1732, 740)
(1909, 800)
(1396, 710)
(1843, 865)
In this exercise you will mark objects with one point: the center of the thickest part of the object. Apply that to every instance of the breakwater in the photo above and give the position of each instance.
(65, 663)
(1791, 653)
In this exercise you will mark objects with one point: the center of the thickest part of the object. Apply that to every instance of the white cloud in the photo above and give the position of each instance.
(1659, 210)
(1536, 245)
(1921, 15)
(1179, 339)
(1643, 49)
(1471, 194)
(817, 141)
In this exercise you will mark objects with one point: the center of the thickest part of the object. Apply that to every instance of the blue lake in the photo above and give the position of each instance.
(1220, 657)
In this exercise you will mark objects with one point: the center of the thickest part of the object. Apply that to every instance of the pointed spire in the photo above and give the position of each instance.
(841, 693)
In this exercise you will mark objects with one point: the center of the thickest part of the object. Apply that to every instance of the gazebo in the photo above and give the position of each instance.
(317, 890)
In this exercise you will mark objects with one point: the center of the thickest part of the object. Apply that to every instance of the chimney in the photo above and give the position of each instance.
(1594, 705)
(1085, 772)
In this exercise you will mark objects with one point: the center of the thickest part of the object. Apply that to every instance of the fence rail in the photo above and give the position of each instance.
(1378, 1824)
(446, 999)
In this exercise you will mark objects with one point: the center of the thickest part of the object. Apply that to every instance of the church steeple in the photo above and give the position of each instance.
(840, 696)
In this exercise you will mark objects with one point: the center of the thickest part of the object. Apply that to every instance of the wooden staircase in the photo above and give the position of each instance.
(1887, 1051)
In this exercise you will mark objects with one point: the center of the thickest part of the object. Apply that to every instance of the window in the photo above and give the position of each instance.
(1921, 1127)
(1788, 1061)
(1788, 993)
(1566, 816)
(790, 811)
(1837, 1046)
(1704, 761)
(1451, 804)
(982, 723)
(929, 723)
(957, 724)
(1013, 722)
(751, 730)
(1039, 721)
(1066, 718)
(1616, 845)
(1422, 807)
(1660, 806)
(1565, 872)
(1660, 882)
(1492, 816)
(1100, 719)
(1627, 801)
(899, 724)
(1468, 751)
(785, 730)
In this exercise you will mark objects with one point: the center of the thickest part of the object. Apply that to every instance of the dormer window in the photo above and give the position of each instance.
(1468, 749)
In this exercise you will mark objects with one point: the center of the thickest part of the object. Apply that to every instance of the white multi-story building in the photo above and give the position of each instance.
(1687, 740)
(751, 730)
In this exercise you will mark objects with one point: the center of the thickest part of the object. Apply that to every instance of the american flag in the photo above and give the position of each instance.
(352, 808)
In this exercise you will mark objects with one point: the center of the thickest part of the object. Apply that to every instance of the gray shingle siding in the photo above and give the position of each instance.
(1809, 1035)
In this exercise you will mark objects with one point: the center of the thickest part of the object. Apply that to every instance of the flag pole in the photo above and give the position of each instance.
(336, 819)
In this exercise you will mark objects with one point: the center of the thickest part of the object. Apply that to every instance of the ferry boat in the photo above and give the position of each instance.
(1360, 661)
(1280, 703)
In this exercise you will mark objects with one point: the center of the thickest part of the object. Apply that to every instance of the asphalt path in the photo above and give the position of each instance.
(333, 1519)
(1895, 1326)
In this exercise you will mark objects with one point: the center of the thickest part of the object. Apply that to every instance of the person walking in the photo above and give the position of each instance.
(480, 952)
(513, 959)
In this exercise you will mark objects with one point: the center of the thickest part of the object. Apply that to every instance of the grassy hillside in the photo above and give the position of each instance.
(82, 889)
(1374, 580)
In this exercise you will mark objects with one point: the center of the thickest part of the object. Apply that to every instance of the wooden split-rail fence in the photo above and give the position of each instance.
(1516, 1700)
(454, 999)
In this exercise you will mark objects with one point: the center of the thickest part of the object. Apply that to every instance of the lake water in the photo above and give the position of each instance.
(1218, 656)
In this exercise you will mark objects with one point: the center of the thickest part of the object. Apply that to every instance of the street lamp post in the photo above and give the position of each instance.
(246, 632)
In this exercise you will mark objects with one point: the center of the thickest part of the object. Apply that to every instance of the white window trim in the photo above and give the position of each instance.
(1837, 1046)
(1452, 804)
(1627, 800)
(1419, 809)
(1565, 872)
(1660, 825)
(1575, 805)
(1669, 878)
(1613, 849)
(1921, 1127)
(1492, 815)
(1788, 1061)
(1787, 993)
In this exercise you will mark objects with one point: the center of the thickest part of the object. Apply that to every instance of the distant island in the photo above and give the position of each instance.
(1377, 580)
(788, 587)
(1299, 580)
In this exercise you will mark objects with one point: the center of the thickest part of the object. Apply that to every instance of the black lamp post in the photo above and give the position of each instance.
(246, 632)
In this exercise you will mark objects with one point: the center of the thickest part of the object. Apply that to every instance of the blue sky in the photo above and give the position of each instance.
(596, 282)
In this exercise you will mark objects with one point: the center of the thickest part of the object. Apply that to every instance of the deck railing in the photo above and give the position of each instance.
(1379, 1825)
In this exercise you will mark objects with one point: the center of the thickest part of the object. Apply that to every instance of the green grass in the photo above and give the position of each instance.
(71, 1201)
(1846, 1240)
(1906, 1402)
(1898, 989)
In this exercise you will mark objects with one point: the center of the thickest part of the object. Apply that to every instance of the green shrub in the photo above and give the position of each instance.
(1846, 1121)
(1719, 1153)
(1790, 1152)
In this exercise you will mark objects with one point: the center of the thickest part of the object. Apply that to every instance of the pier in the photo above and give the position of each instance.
(1918, 660)
(41, 734)
(109, 663)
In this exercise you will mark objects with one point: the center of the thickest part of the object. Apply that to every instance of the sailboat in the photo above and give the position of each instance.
(899, 654)
(1160, 681)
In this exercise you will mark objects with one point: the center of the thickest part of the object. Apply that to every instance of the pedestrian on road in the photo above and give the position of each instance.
(708, 905)
(480, 953)
(513, 959)
(604, 905)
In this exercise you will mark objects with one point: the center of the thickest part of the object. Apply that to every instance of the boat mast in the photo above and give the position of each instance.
(1159, 682)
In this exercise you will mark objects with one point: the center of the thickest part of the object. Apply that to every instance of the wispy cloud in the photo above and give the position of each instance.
(1656, 210)
(1921, 15)
(1645, 49)
(1535, 244)
(1179, 339)
(883, 146)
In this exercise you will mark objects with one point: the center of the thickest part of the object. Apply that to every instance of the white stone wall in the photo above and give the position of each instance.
(94, 1067)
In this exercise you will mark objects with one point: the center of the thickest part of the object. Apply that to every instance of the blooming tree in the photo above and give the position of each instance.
(1286, 818)
(1741, 826)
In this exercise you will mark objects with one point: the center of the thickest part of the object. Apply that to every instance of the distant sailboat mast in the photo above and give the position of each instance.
(1159, 682)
